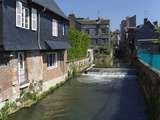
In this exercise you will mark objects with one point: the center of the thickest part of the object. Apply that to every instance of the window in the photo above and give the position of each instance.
(52, 60)
(34, 19)
(103, 31)
(63, 30)
(18, 14)
(22, 16)
(25, 18)
(54, 27)
(87, 31)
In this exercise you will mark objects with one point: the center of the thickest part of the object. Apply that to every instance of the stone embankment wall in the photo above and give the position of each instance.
(150, 82)
(78, 65)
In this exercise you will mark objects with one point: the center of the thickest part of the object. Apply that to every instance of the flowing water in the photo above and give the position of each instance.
(101, 94)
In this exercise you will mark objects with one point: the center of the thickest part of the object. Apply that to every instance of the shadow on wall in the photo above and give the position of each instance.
(4, 58)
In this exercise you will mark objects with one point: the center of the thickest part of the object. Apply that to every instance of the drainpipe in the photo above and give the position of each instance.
(39, 28)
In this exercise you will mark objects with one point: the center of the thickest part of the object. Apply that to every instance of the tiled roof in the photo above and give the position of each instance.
(50, 5)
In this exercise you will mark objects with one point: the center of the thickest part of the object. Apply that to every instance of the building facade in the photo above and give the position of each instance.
(146, 32)
(33, 43)
(127, 25)
(98, 30)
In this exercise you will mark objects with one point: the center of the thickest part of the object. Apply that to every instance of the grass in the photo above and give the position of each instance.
(7, 109)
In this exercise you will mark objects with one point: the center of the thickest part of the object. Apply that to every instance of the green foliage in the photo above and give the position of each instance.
(28, 96)
(8, 107)
(27, 99)
(156, 41)
(80, 43)
(158, 30)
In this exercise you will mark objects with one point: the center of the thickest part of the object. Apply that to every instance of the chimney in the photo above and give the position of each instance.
(72, 16)
(145, 20)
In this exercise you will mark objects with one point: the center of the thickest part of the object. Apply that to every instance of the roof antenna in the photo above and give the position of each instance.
(98, 14)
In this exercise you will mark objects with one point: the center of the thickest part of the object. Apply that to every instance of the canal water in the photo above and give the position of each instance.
(101, 94)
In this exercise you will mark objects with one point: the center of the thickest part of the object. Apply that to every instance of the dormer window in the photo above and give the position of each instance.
(55, 28)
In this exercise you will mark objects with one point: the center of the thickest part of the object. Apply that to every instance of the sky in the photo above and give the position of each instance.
(115, 10)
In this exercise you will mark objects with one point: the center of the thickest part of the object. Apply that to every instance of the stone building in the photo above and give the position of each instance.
(98, 30)
(127, 25)
(127, 35)
(33, 43)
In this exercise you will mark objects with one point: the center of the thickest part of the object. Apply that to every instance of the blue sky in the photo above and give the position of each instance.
(116, 10)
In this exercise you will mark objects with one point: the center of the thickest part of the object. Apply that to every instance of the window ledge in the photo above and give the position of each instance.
(53, 67)
(24, 85)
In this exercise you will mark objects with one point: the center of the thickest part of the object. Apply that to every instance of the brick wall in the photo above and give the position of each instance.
(36, 71)
(50, 74)
(8, 77)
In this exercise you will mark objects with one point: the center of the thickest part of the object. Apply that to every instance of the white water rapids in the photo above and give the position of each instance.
(107, 75)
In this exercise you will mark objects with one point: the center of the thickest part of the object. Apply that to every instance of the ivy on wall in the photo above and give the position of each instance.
(79, 44)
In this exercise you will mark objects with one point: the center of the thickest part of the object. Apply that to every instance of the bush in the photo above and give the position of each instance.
(80, 43)
(28, 96)
(9, 107)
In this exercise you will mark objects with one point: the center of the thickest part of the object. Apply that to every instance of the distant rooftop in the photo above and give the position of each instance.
(92, 22)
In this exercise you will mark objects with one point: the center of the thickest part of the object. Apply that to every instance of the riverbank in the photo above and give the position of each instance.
(87, 97)
(29, 98)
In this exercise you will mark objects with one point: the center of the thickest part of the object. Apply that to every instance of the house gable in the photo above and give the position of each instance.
(17, 38)
(146, 31)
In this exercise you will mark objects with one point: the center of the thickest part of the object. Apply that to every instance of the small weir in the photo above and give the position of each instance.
(98, 94)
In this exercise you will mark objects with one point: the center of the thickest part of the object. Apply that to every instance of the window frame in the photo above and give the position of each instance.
(21, 16)
(34, 19)
(54, 63)
(54, 27)
(63, 30)
(24, 9)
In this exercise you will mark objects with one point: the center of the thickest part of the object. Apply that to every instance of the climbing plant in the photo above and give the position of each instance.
(79, 44)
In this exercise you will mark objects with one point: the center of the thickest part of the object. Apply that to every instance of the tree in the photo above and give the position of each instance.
(79, 42)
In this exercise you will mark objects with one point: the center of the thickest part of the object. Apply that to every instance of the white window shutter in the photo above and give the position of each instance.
(34, 19)
(18, 14)
(63, 30)
(55, 27)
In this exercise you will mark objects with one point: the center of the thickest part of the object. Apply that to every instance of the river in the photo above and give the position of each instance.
(101, 94)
